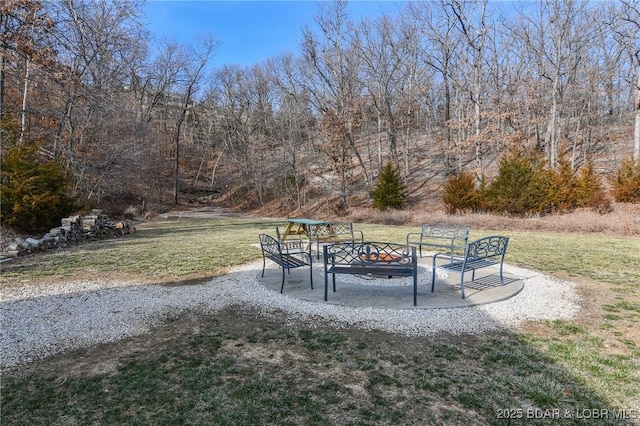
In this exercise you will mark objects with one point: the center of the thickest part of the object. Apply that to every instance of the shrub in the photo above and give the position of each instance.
(523, 185)
(33, 197)
(460, 193)
(563, 193)
(389, 192)
(600, 202)
(589, 191)
(626, 182)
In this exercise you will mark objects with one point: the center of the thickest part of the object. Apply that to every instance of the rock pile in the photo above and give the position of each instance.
(73, 230)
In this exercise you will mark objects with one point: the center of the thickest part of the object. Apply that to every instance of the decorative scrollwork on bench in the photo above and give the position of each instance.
(370, 258)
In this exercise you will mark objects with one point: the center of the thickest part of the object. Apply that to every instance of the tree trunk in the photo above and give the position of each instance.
(636, 133)
(176, 143)
(23, 113)
(550, 138)
(477, 119)
(379, 141)
(2, 62)
(215, 166)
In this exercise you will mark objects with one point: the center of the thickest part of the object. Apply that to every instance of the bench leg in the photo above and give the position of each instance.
(263, 265)
(433, 274)
(462, 283)
(282, 285)
(326, 284)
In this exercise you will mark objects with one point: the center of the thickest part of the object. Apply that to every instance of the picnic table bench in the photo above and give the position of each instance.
(370, 259)
(287, 260)
(439, 236)
(478, 254)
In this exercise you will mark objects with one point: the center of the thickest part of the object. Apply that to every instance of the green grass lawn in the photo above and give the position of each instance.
(236, 367)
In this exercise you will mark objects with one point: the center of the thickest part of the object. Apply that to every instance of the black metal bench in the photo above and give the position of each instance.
(370, 259)
(272, 250)
(478, 254)
(293, 245)
(439, 236)
(335, 232)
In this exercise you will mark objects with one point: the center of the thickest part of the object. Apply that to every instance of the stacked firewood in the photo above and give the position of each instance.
(73, 230)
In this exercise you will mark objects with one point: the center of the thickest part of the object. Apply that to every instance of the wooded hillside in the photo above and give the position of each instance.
(442, 87)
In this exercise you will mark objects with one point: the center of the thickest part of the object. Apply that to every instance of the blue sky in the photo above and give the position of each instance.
(250, 31)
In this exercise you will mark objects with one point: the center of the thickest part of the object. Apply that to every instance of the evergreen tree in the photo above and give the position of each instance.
(461, 194)
(626, 182)
(524, 185)
(33, 194)
(390, 191)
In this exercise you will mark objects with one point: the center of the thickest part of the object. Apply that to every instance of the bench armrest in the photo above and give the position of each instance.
(410, 236)
(452, 257)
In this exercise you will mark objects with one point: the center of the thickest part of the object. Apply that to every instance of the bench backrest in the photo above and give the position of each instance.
(441, 230)
(333, 228)
(270, 247)
(369, 253)
(483, 248)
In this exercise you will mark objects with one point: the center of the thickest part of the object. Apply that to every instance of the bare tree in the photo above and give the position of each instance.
(472, 25)
(627, 27)
(245, 99)
(558, 38)
(24, 43)
(389, 53)
(96, 42)
(294, 123)
(187, 85)
(382, 56)
(331, 78)
(439, 49)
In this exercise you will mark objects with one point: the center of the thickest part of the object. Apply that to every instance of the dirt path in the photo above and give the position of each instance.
(203, 212)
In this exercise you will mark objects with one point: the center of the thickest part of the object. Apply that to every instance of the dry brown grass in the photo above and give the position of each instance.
(623, 220)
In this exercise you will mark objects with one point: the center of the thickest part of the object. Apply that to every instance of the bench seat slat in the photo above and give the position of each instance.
(289, 261)
(370, 270)
(474, 264)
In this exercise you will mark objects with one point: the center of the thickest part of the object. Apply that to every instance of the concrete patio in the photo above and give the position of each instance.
(395, 293)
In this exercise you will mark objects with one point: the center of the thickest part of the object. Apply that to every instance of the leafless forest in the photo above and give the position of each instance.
(442, 86)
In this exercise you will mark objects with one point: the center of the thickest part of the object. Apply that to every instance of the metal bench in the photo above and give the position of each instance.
(478, 254)
(293, 245)
(370, 259)
(440, 236)
(272, 250)
(335, 232)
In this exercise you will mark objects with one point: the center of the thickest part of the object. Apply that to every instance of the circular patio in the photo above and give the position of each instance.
(395, 293)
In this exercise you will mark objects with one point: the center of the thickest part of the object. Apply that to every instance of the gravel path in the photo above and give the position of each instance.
(36, 322)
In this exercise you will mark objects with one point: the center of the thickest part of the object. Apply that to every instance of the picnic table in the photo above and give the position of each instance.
(321, 231)
(301, 226)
